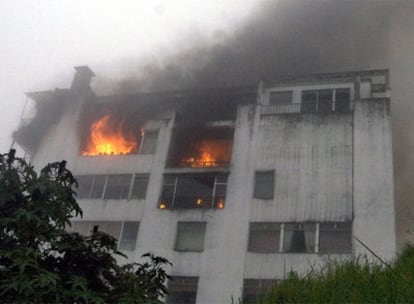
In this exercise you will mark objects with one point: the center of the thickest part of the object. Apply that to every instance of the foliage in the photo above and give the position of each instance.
(357, 280)
(41, 262)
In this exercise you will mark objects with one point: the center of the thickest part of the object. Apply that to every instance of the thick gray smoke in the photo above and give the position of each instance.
(287, 38)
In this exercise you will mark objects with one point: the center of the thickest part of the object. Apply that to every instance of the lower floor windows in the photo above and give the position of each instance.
(125, 232)
(182, 290)
(326, 238)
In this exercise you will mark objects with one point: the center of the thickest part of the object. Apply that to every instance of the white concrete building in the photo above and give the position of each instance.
(236, 186)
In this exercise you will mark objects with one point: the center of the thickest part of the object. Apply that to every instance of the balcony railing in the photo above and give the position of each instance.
(307, 108)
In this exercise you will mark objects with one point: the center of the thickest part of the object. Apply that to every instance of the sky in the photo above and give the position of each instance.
(42, 40)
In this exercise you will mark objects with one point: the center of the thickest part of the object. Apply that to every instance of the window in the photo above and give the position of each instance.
(202, 190)
(325, 100)
(190, 236)
(112, 186)
(309, 101)
(149, 142)
(253, 289)
(324, 238)
(299, 238)
(342, 100)
(335, 237)
(200, 147)
(330, 100)
(280, 98)
(126, 239)
(182, 290)
(129, 236)
(117, 186)
(264, 184)
(139, 189)
(264, 237)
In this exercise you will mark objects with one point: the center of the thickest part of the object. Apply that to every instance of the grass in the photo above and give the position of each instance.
(359, 280)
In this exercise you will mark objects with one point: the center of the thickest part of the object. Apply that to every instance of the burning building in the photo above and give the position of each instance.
(235, 186)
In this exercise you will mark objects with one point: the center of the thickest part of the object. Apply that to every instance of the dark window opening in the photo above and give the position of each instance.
(309, 101)
(264, 184)
(280, 98)
(203, 190)
(342, 100)
(182, 290)
(190, 236)
(299, 238)
(335, 237)
(264, 237)
(255, 290)
(200, 147)
(325, 101)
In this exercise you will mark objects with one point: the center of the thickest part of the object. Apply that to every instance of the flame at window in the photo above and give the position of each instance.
(208, 153)
(107, 138)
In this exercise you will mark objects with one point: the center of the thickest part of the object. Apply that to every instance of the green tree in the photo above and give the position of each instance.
(41, 262)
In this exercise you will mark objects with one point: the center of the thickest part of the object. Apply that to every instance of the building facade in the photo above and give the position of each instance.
(235, 186)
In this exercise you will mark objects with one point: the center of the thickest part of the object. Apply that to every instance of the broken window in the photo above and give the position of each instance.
(139, 188)
(149, 143)
(117, 186)
(201, 190)
(254, 290)
(129, 236)
(190, 236)
(335, 237)
(264, 184)
(280, 98)
(264, 237)
(182, 290)
(200, 147)
(299, 238)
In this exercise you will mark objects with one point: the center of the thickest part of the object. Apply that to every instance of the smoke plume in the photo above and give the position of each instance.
(290, 37)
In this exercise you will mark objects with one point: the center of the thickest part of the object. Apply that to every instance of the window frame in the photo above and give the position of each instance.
(93, 193)
(152, 135)
(335, 107)
(269, 194)
(315, 240)
(171, 181)
(102, 228)
(264, 227)
(182, 284)
(182, 225)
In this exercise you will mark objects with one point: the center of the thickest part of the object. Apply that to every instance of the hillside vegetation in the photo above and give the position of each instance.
(358, 280)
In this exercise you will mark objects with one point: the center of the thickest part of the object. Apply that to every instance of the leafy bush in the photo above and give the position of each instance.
(40, 262)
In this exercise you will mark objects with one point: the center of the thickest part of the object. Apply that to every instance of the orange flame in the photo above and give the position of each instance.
(209, 153)
(107, 140)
